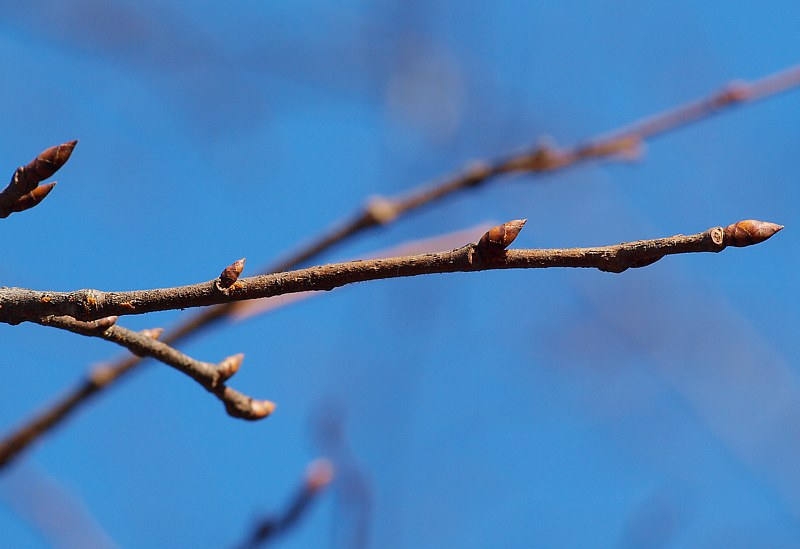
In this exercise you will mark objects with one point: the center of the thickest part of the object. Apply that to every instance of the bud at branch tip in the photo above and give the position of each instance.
(749, 231)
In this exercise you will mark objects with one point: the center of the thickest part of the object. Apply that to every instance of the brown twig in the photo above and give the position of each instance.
(211, 376)
(318, 475)
(18, 304)
(24, 192)
(623, 142)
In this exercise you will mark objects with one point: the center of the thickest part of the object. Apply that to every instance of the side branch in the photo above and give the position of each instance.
(18, 305)
(211, 376)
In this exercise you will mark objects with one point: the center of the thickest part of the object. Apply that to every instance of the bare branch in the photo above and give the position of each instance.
(18, 305)
(624, 142)
(211, 376)
(24, 192)
(318, 475)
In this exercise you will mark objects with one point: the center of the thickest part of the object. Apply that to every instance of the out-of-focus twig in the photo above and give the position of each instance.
(24, 191)
(318, 475)
(623, 142)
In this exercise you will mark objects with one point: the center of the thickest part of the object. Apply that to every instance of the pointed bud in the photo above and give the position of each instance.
(750, 231)
(230, 275)
(152, 333)
(499, 238)
(49, 162)
(103, 324)
(28, 201)
(229, 366)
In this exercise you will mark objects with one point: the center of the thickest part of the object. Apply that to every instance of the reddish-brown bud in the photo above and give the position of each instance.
(48, 162)
(499, 238)
(230, 275)
(28, 201)
(750, 231)
(229, 366)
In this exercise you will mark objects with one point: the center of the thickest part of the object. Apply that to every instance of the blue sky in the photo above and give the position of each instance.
(501, 409)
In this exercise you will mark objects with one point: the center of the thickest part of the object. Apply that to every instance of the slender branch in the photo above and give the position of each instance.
(622, 142)
(318, 475)
(24, 192)
(18, 304)
(211, 376)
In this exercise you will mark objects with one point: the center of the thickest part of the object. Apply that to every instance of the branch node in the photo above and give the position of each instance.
(229, 275)
(380, 211)
(497, 239)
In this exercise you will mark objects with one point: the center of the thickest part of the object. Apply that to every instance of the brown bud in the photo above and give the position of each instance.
(152, 333)
(229, 366)
(48, 162)
(31, 199)
(750, 231)
(499, 238)
(231, 274)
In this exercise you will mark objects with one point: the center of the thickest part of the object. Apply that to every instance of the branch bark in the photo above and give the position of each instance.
(19, 304)
(212, 377)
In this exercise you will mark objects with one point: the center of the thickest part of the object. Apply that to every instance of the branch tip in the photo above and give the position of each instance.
(230, 274)
(748, 232)
(319, 474)
(230, 366)
(48, 162)
(261, 408)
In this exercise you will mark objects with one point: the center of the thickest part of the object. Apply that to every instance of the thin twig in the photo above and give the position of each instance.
(19, 304)
(624, 141)
(211, 376)
(318, 475)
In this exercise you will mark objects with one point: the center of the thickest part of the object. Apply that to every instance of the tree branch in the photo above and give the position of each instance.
(619, 142)
(24, 192)
(211, 376)
(18, 304)
(318, 475)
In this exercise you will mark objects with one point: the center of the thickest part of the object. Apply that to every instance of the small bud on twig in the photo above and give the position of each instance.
(229, 366)
(750, 231)
(230, 275)
(499, 238)
(153, 333)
